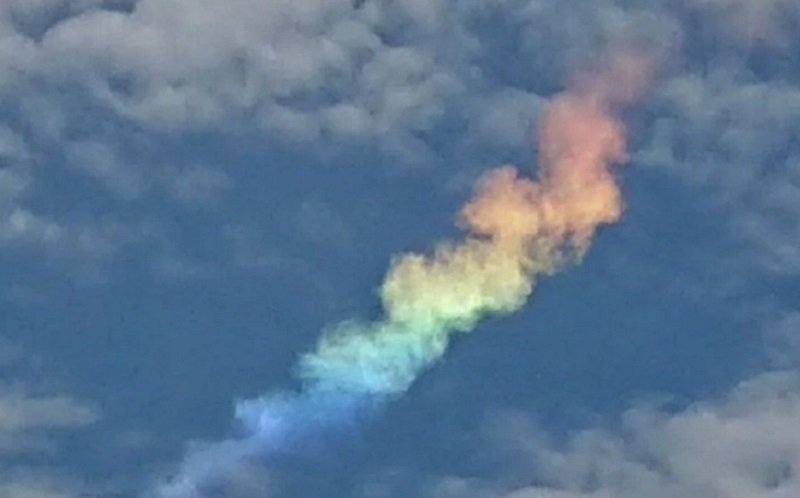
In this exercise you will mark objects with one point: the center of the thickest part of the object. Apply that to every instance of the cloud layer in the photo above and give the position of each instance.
(92, 92)
(744, 445)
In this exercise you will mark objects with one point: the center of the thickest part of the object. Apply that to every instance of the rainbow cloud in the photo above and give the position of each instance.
(517, 230)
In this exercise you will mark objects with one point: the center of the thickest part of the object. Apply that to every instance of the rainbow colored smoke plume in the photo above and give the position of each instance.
(516, 229)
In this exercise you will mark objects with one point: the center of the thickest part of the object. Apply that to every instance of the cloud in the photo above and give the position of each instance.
(729, 137)
(22, 413)
(198, 185)
(29, 413)
(752, 22)
(782, 338)
(374, 70)
(31, 419)
(744, 446)
(323, 226)
(101, 162)
(99, 83)
(420, 81)
(32, 484)
(13, 148)
(300, 66)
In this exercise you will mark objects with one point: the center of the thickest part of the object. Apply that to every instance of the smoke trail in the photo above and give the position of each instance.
(517, 230)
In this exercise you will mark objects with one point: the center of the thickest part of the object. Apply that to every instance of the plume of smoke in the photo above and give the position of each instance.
(517, 230)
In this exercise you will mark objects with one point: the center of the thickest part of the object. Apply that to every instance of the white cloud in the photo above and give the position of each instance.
(29, 413)
(745, 446)
(188, 64)
(390, 75)
(782, 339)
(730, 138)
(20, 412)
(300, 68)
(12, 146)
(30, 418)
(33, 484)
(323, 226)
(505, 119)
(751, 22)
(13, 183)
(310, 70)
(101, 162)
(198, 185)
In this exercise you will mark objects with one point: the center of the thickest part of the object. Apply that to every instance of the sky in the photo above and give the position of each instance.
(194, 192)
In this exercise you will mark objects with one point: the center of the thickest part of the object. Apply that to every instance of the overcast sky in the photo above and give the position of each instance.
(190, 190)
